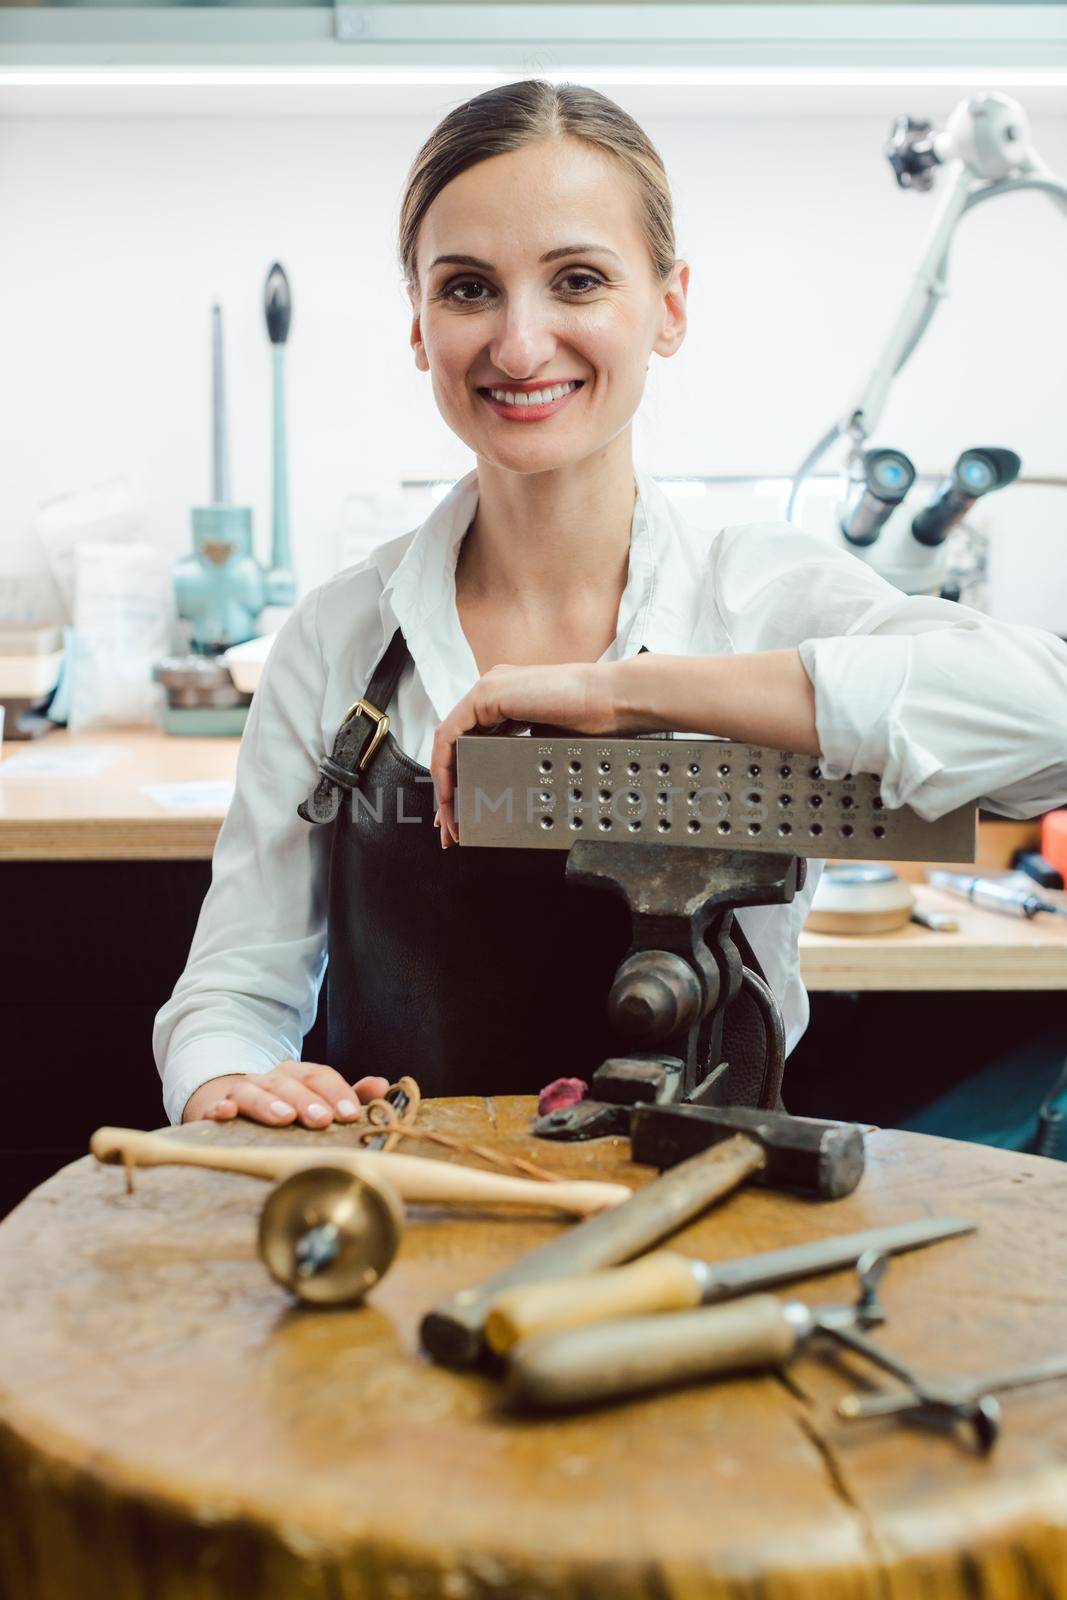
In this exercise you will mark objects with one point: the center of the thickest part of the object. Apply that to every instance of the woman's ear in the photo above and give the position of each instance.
(417, 345)
(673, 317)
(416, 332)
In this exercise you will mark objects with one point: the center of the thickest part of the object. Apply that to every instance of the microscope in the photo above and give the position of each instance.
(986, 151)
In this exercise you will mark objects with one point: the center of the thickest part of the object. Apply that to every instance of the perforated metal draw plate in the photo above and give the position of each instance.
(534, 793)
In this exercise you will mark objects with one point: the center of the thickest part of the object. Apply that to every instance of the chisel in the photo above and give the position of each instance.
(637, 1355)
(669, 1281)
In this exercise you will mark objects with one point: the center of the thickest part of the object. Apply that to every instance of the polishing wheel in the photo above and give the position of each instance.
(328, 1235)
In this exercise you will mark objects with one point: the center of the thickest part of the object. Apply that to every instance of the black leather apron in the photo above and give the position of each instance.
(475, 971)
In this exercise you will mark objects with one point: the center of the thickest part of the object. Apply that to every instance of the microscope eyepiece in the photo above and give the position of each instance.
(976, 473)
(874, 493)
(889, 473)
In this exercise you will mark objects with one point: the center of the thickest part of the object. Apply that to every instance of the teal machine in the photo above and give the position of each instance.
(220, 587)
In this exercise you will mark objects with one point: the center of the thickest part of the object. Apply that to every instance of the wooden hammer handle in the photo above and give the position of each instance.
(453, 1332)
(415, 1178)
(662, 1281)
(587, 1366)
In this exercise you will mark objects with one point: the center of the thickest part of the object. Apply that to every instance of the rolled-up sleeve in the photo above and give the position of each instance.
(947, 706)
(249, 989)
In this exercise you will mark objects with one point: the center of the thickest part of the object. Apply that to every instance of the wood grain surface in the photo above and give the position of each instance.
(107, 817)
(988, 951)
(171, 1427)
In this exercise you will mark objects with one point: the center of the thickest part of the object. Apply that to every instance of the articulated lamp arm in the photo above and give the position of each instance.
(986, 145)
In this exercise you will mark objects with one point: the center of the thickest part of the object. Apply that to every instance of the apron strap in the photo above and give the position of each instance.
(386, 675)
(364, 727)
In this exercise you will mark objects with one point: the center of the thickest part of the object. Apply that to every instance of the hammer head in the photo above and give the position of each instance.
(823, 1160)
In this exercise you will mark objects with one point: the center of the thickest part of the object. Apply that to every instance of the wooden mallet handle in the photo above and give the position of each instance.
(415, 1178)
(587, 1366)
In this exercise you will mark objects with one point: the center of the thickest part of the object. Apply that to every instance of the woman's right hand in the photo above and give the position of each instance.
(293, 1091)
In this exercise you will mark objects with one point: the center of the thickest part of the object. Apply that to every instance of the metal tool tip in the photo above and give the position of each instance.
(317, 1249)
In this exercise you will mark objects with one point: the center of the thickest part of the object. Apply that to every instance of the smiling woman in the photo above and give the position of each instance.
(555, 584)
(506, 307)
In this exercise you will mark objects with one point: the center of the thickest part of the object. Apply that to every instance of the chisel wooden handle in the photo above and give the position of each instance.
(663, 1281)
(415, 1178)
(454, 1331)
(587, 1366)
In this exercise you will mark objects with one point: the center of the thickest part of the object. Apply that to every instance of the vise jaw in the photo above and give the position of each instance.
(685, 967)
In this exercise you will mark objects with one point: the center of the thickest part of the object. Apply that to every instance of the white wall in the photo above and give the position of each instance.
(116, 233)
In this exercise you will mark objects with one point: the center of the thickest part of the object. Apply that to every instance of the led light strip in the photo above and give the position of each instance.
(32, 77)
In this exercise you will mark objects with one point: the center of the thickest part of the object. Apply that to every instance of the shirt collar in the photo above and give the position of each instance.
(420, 594)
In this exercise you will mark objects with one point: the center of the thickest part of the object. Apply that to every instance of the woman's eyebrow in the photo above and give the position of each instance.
(550, 255)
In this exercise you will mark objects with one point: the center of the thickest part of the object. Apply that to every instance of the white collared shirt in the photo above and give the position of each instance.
(946, 705)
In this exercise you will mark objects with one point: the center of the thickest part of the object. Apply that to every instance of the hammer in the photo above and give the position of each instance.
(711, 1151)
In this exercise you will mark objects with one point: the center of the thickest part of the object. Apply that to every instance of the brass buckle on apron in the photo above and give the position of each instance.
(381, 721)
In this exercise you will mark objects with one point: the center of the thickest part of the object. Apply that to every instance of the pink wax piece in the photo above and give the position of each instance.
(560, 1093)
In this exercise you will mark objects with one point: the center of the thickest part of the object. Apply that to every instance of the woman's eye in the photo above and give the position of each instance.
(464, 291)
(591, 278)
(452, 291)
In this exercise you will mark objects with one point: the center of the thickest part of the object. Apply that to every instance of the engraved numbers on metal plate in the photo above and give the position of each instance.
(548, 793)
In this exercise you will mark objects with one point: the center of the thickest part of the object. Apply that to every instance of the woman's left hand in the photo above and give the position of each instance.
(576, 696)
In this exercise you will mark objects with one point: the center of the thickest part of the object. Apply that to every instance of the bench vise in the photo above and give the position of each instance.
(688, 832)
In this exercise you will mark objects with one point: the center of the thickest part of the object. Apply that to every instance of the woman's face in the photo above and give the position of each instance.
(534, 273)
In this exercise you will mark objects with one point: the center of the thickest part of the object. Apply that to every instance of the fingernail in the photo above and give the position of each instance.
(437, 818)
(280, 1108)
(348, 1108)
(317, 1112)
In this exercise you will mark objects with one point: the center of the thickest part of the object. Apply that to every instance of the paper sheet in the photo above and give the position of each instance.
(206, 794)
(85, 761)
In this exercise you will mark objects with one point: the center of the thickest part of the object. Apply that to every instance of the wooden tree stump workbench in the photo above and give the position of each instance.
(171, 1428)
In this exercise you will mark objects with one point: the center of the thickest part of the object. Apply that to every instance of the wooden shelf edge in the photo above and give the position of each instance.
(165, 838)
